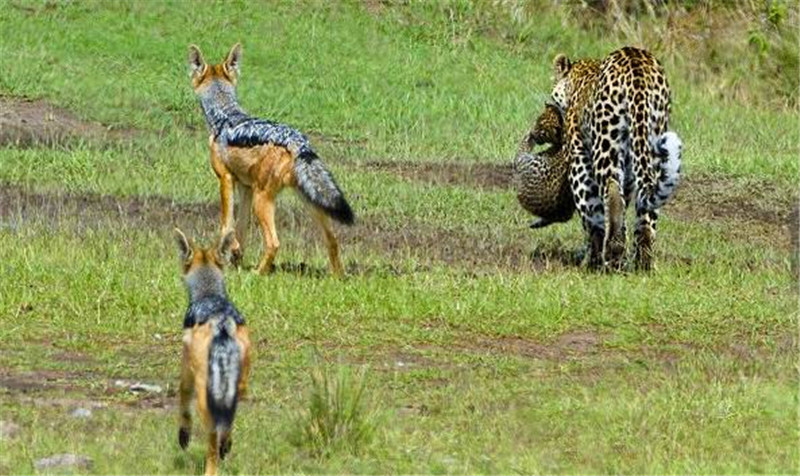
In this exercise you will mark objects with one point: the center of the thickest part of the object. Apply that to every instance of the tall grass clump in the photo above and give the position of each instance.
(741, 51)
(337, 415)
(744, 51)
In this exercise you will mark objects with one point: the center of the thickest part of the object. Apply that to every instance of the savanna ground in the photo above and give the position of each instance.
(487, 348)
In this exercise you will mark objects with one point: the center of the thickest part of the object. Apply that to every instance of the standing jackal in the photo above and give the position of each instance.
(261, 157)
(216, 348)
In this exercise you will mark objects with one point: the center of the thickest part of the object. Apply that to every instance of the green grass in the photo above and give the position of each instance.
(485, 353)
(405, 84)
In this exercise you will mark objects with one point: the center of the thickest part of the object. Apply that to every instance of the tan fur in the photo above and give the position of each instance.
(243, 339)
(194, 366)
(264, 169)
(194, 380)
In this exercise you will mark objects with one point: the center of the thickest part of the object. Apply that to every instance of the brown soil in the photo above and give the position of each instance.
(567, 346)
(18, 205)
(474, 248)
(711, 198)
(26, 123)
(699, 196)
(765, 209)
(25, 382)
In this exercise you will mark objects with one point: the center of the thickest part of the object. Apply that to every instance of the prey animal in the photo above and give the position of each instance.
(541, 178)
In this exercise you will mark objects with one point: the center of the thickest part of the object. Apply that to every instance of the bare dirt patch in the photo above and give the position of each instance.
(42, 380)
(19, 205)
(714, 198)
(27, 123)
(751, 211)
(477, 248)
(753, 207)
(567, 346)
(424, 244)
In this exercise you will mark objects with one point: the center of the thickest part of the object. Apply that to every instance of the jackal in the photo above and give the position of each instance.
(216, 348)
(261, 157)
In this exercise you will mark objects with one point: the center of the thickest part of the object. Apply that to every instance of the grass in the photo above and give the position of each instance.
(487, 351)
(337, 417)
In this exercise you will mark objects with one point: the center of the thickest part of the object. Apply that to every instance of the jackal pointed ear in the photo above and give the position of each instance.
(196, 62)
(185, 249)
(561, 66)
(233, 60)
(225, 247)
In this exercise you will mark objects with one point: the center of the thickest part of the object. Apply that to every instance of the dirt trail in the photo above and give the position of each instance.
(426, 244)
(26, 123)
(699, 195)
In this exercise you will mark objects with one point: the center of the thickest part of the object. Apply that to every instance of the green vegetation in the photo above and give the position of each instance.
(487, 349)
(337, 416)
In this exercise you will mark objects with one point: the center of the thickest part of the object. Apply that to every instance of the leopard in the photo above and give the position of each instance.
(540, 178)
(616, 115)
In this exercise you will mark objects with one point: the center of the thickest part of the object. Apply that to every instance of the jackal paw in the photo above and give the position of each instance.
(225, 447)
(184, 435)
(237, 256)
(265, 269)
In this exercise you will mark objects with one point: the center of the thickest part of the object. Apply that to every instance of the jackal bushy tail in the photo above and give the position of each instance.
(224, 368)
(317, 185)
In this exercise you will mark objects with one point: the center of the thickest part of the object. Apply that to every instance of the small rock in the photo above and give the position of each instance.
(8, 430)
(66, 460)
(145, 387)
(120, 383)
(158, 337)
(81, 413)
(449, 460)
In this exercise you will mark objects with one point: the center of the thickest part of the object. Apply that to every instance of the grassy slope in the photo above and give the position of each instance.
(695, 366)
(398, 86)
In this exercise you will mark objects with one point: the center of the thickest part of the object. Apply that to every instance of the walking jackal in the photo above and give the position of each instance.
(216, 348)
(261, 157)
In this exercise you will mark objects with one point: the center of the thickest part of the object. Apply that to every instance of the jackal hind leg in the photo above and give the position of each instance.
(244, 212)
(264, 209)
(324, 223)
(212, 454)
(243, 339)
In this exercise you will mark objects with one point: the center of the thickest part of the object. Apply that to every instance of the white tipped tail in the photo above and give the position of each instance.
(668, 149)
